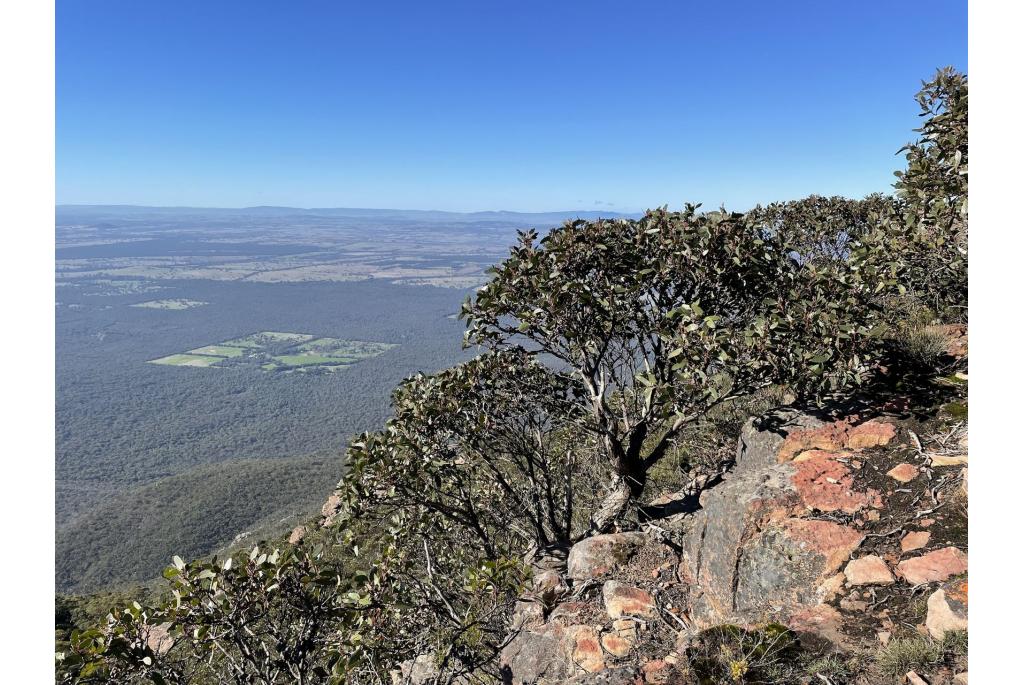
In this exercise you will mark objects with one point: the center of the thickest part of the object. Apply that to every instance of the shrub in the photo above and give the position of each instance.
(731, 654)
(903, 654)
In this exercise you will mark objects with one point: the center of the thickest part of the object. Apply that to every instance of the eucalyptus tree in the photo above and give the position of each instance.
(933, 253)
(661, 319)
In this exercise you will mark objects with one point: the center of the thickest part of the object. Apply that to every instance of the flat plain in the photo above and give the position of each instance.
(309, 321)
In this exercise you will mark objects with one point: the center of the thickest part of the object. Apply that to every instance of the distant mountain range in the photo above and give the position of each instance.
(98, 212)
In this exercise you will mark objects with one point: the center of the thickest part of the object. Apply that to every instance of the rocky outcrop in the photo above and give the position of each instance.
(824, 527)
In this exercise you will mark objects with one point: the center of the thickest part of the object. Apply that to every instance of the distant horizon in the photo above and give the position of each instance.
(115, 206)
(468, 106)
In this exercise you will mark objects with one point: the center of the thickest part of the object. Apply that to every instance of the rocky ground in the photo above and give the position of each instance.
(834, 551)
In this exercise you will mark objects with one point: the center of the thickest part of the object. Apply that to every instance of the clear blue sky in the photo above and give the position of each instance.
(490, 104)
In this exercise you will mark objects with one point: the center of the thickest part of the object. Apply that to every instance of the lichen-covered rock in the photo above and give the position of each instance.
(583, 645)
(330, 509)
(915, 540)
(786, 563)
(600, 555)
(947, 609)
(868, 570)
(536, 656)
(903, 473)
(418, 671)
(624, 600)
(836, 436)
(933, 567)
(870, 434)
(748, 550)
(826, 484)
(615, 644)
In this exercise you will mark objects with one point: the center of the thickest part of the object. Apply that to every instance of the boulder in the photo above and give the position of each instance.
(418, 671)
(868, 570)
(330, 509)
(537, 655)
(584, 648)
(624, 600)
(298, 533)
(159, 638)
(947, 609)
(746, 550)
(788, 561)
(933, 567)
(602, 554)
(836, 436)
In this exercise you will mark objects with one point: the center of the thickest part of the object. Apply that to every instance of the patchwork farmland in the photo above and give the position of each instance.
(278, 351)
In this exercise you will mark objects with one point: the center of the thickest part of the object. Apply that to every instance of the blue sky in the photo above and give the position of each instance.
(528, 106)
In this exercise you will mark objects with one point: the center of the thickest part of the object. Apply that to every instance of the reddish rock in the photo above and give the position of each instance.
(601, 554)
(159, 638)
(913, 678)
(829, 437)
(825, 484)
(330, 509)
(548, 587)
(616, 645)
(933, 567)
(956, 336)
(924, 523)
(832, 541)
(904, 473)
(831, 587)
(812, 454)
(657, 672)
(853, 604)
(298, 533)
(536, 654)
(624, 600)
(585, 648)
(947, 609)
(869, 570)
(570, 612)
(870, 434)
(822, 620)
(915, 540)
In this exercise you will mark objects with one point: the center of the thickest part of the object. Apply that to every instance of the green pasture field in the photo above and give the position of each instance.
(187, 360)
(174, 305)
(218, 351)
(301, 352)
(263, 337)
